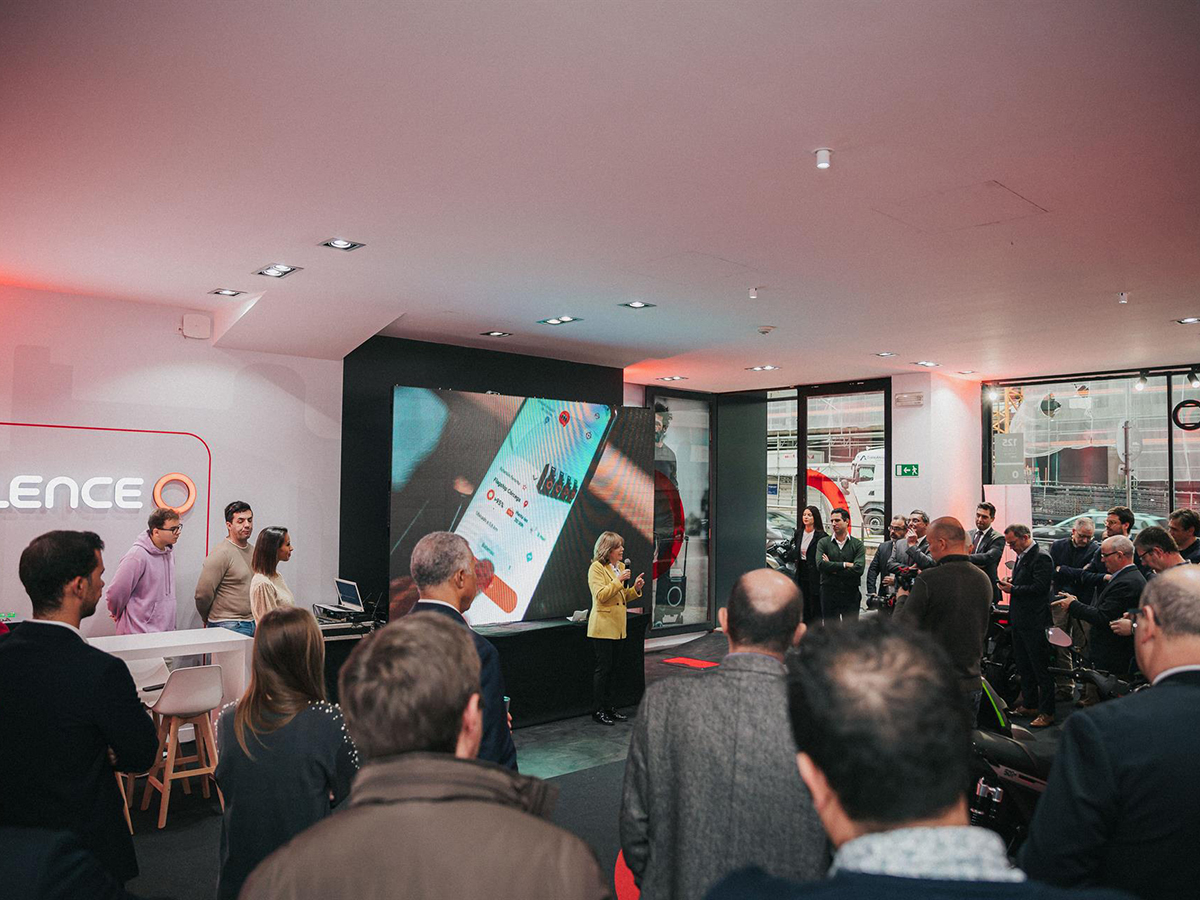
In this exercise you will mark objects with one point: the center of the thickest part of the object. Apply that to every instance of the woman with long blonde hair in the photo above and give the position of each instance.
(607, 576)
(285, 757)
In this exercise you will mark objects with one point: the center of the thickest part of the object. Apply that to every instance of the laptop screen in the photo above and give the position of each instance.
(348, 593)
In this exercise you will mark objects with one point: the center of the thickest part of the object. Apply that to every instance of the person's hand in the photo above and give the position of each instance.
(847, 565)
(903, 592)
(1122, 626)
(912, 538)
(1005, 585)
(1108, 578)
(1063, 603)
(639, 582)
(889, 579)
(509, 721)
(112, 757)
(623, 576)
(824, 557)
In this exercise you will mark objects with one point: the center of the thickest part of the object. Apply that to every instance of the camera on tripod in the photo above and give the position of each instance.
(881, 602)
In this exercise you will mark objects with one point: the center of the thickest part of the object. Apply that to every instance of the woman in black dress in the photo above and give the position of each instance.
(804, 552)
(285, 758)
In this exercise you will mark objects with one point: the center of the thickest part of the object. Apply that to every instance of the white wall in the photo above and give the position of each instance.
(943, 438)
(273, 424)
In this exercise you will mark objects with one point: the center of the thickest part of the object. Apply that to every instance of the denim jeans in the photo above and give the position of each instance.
(246, 628)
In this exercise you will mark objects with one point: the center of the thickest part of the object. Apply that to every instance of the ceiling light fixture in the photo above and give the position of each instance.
(673, 378)
(966, 371)
(1122, 297)
(823, 157)
(496, 334)
(277, 270)
(1140, 384)
(559, 320)
(885, 354)
(342, 244)
(753, 293)
(1193, 379)
(639, 304)
(1188, 320)
(993, 395)
(761, 368)
(928, 364)
(226, 292)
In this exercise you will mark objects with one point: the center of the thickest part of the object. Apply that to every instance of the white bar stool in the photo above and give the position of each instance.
(188, 698)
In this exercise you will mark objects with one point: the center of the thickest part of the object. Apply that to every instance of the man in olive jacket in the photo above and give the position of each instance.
(842, 559)
(451, 826)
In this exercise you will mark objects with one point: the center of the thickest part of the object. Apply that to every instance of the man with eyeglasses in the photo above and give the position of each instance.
(1108, 650)
(1122, 805)
(141, 595)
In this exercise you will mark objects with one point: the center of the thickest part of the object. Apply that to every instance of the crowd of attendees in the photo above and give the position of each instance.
(825, 756)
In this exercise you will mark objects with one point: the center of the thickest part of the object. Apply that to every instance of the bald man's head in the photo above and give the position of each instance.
(946, 537)
(764, 611)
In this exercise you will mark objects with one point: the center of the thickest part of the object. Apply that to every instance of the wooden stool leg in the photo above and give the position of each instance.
(124, 801)
(210, 744)
(201, 755)
(168, 771)
(158, 763)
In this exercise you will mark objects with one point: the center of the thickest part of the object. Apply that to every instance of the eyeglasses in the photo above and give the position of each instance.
(1104, 555)
(175, 530)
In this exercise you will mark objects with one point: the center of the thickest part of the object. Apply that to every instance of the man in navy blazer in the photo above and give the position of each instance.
(987, 546)
(443, 567)
(884, 748)
(69, 713)
(1108, 650)
(1028, 590)
(1122, 806)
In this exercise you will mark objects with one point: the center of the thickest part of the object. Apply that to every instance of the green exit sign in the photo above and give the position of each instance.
(908, 470)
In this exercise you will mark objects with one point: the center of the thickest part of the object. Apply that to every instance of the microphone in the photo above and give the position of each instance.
(625, 563)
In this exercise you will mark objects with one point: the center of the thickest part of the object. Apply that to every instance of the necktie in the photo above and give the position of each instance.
(978, 540)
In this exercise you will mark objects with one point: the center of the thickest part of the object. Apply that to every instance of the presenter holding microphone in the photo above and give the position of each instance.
(607, 578)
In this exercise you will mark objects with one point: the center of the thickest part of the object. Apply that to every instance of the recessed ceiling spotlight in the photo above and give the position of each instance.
(753, 293)
(277, 270)
(1122, 297)
(673, 378)
(342, 244)
(761, 368)
(1140, 384)
(966, 371)
(885, 354)
(823, 157)
(226, 292)
(927, 364)
(559, 320)
(639, 304)
(496, 334)
(1188, 320)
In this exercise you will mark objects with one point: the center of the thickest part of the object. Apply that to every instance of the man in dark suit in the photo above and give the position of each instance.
(1028, 591)
(1122, 805)
(1073, 552)
(443, 567)
(70, 712)
(1110, 651)
(724, 726)
(1184, 525)
(889, 557)
(884, 748)
(918, 543)
(987, 546)
(843, 558)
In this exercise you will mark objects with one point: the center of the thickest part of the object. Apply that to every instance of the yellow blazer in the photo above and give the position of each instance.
(607, 619)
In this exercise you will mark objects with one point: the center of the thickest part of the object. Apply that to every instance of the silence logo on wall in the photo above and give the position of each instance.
(97, 492)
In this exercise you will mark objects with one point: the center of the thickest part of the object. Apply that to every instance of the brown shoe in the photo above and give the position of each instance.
(1023, 711)
(1042, 721)
(1085, 702)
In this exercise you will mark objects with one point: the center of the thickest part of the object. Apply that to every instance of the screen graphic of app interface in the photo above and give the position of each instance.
(518, 511)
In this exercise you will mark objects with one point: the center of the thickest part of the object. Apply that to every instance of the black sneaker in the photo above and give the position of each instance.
(602, 717)
(616, 716)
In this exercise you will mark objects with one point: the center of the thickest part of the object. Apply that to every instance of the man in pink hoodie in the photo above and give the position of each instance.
(141, 595)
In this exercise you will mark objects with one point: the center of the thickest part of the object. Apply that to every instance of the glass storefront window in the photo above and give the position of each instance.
(1084, 446)
(681, 505)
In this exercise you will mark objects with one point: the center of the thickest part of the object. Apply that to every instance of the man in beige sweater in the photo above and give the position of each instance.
(223, 592)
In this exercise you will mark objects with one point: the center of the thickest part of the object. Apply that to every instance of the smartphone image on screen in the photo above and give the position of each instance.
(518, 511)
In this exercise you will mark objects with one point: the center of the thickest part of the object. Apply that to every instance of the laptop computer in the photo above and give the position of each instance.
(349, 606)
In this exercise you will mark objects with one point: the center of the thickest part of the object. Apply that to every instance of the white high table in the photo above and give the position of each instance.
(230, 650)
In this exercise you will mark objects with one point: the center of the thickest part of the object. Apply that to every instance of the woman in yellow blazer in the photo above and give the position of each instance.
(606, 624)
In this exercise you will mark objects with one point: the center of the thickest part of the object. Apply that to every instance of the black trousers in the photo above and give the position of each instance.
(606, 650)
(834, 607)
(1031, 652)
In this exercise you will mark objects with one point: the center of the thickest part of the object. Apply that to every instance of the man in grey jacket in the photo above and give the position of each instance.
(711, 783)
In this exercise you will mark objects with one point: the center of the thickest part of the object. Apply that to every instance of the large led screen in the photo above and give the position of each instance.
(530, 483)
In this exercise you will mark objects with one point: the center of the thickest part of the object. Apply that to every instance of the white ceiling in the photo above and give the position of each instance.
(1000, 171)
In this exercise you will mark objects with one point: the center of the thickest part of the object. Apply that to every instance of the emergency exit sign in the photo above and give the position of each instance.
(908, 470)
